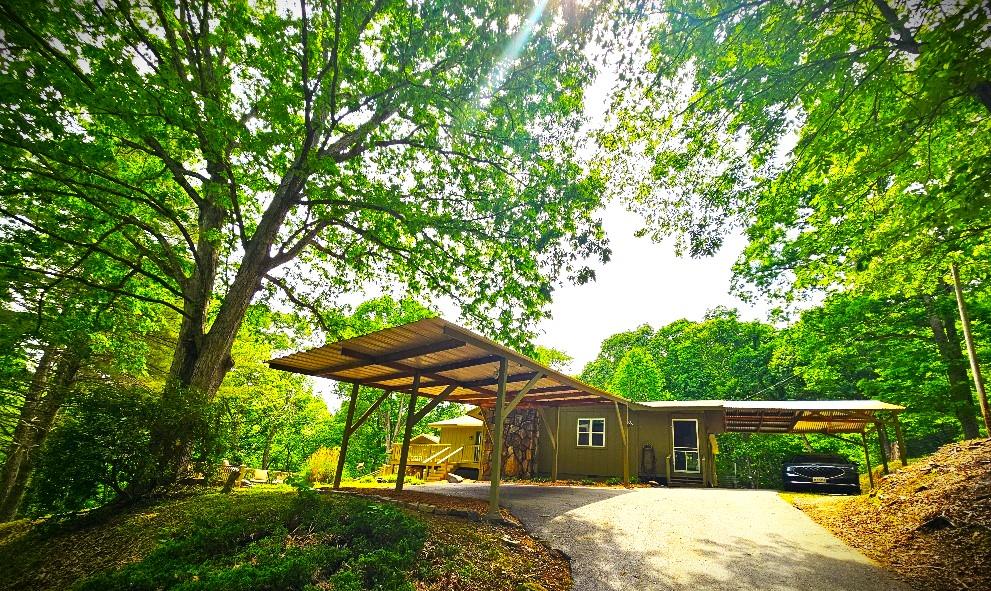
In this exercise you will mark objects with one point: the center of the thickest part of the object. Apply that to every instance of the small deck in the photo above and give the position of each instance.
(434, 460)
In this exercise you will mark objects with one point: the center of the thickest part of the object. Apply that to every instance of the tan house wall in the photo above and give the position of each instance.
(646, 427)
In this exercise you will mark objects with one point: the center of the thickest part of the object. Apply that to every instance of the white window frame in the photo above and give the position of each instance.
(590, 421)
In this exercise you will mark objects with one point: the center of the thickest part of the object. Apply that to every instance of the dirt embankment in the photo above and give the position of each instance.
(930, 521)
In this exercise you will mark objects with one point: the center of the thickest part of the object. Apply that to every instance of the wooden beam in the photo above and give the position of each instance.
(407, 434)
(437, 378)
(432, 404)
(900, 438)
(626, 444)
(346, 438)
(519, 395)
(531, 396)
(546, 389)
(520, 377)
(882, 439)
(364, 416)
(363, 359)
(374, 383)
(867, 458)
(557, 447)
(440, 368)
(428, 349)
(559, 377)
(496, 461)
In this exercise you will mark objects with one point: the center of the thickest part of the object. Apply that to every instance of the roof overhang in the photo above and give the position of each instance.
(447, 357)
(805, 416)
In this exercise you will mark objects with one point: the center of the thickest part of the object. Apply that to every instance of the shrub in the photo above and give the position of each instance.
(100, 445)
(320, 466)
(351, 544)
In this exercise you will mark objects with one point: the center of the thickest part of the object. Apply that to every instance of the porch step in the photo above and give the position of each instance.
(685, 482)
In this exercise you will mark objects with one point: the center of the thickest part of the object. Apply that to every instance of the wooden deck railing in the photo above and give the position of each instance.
(436, 454)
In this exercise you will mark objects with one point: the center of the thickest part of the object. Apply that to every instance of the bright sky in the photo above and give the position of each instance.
(644, 283)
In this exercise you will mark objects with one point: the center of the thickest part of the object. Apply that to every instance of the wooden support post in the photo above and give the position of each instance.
(346, 438)
(496, 458)
(900, 438)
(408, 433)
(882, 440)
(867, 458)
(975, 366)
(557, 443)
(626, 444)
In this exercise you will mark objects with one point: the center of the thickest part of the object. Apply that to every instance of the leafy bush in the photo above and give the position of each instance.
(350, 543)
(100, 446)
(320, 466)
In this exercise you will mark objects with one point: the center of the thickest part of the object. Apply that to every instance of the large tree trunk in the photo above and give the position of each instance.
(203, 355)
(51, 384)
(943, 324)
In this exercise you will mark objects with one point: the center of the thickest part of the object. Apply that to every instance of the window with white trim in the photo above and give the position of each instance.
(591, 432)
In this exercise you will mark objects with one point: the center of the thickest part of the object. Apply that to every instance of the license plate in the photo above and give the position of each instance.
(818, 480)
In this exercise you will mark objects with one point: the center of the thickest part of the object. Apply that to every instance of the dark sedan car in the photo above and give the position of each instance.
(821, 473)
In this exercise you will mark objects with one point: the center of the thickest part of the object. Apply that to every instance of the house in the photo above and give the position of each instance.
(542, 421)
(668, 442)
(431, 457)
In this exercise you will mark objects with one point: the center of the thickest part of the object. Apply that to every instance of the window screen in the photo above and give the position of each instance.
(685, 434)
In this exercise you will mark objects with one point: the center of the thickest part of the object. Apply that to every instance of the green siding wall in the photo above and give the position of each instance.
(647, 427)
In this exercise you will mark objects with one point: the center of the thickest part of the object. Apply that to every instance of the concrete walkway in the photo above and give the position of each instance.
(699, 539)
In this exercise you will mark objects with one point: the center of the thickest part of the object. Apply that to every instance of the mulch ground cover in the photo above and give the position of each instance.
(930, 522)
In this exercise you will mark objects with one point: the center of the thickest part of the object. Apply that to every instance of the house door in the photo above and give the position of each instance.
(685, 433)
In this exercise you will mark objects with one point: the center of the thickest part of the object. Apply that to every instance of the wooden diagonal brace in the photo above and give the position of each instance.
(519, 395)
(433, 403)
(364, 416)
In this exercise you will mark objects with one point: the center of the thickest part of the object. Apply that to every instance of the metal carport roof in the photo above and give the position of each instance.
(448, 358)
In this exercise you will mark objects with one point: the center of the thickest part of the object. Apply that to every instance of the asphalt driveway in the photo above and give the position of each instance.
(650, 539)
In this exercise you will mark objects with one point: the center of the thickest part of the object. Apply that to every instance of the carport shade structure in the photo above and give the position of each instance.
(826, 417)
(441, 361)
